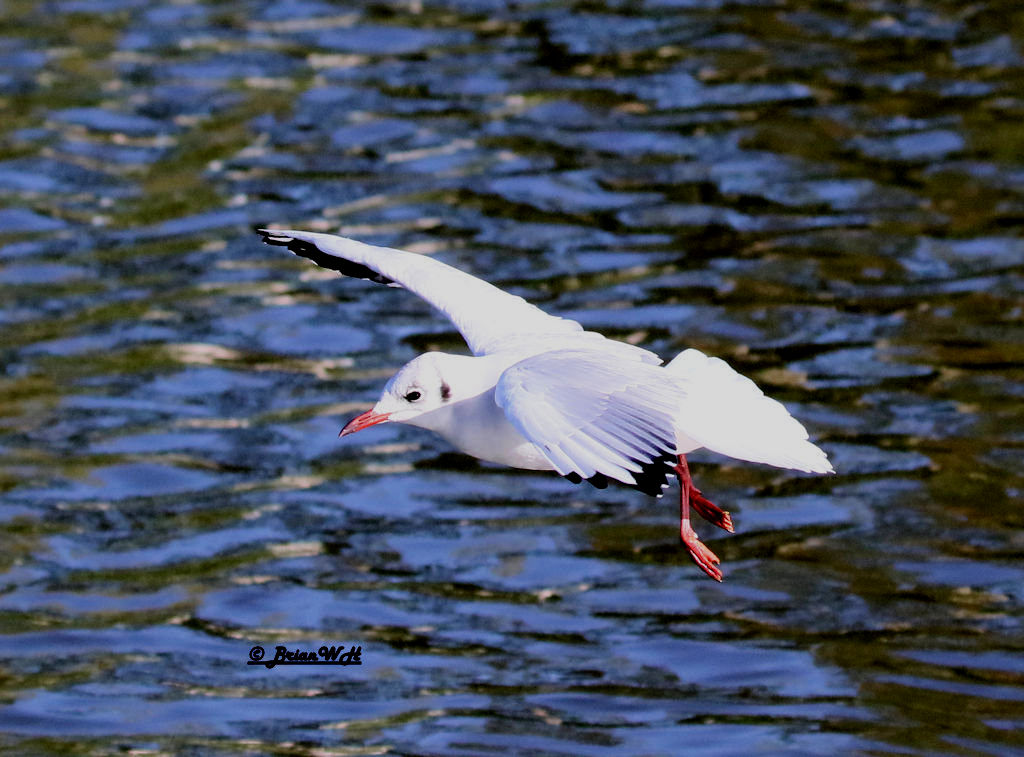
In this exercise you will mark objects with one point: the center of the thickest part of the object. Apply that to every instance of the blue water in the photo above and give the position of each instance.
(828, 195)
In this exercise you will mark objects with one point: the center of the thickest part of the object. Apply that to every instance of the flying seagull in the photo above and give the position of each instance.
(541, 393)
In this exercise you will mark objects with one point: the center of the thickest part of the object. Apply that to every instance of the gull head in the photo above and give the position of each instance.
(419, 388)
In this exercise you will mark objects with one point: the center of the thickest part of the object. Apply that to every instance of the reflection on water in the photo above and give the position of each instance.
(826, 194)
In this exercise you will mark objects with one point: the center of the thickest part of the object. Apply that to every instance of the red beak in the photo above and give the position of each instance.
(367, 419)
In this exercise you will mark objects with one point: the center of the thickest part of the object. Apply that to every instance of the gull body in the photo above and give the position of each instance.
(541, 393)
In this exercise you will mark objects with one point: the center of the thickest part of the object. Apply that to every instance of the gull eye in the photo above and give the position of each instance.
(412, 396)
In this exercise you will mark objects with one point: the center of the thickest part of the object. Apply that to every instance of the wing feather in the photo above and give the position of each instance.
(630, 456)
(489, 319)
(644, 436)
(590, 415)
(602, 453)
(564, 464)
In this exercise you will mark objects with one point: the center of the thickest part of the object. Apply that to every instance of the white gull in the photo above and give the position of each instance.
(541, 393)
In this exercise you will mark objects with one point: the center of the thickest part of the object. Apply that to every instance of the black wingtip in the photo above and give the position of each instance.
(655, 475)
(323, 259)
(652, 479)
(273, 237)
(598, 480)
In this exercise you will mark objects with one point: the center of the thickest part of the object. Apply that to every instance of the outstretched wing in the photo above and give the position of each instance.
(488, 318)
(590, 414)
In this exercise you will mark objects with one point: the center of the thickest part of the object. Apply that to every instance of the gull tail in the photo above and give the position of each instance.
(728, 414)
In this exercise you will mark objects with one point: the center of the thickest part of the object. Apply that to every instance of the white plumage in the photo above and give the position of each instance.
(541, 393)
(590, 415)
(488, 318)
(727, 413)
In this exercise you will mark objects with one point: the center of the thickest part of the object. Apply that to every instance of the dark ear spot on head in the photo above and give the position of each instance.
(446, 391)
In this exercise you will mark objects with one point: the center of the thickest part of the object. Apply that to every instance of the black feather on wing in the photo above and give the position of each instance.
(655, 476)
(598, 480)
(322, 259)
(651, 480)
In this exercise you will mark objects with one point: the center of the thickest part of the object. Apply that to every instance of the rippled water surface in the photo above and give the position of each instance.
(829, 195)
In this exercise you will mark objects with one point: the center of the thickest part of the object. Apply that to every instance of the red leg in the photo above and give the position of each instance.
(706, 509)
(706, 559)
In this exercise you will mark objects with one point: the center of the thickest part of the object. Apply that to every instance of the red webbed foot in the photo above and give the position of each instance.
(706, 559)
(689, 494)
(710, 512)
